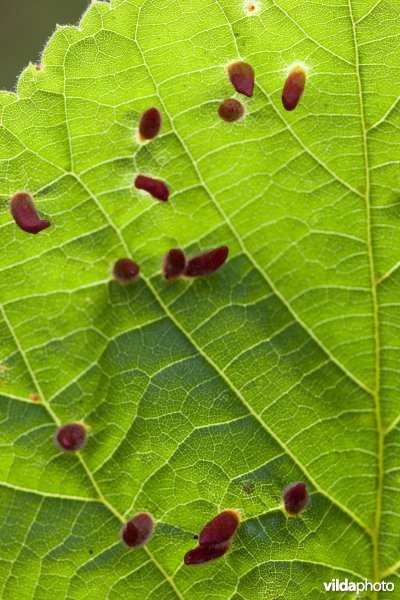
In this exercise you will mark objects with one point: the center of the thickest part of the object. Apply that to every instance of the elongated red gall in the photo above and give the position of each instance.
(126, 271)
(174, 263)
(220, 529)
(150, 124)
(295, 498)
(294, 87)
(205, 554)
(70, 437)
(241, 75)
(231, 110)
(137, 531)
(207, 263)
(155, 187)
(25, 214)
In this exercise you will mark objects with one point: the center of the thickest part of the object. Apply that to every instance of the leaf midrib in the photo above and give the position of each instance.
(374, 291)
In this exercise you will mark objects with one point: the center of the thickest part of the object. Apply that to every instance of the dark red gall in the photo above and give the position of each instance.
(204, 554)
(138, 530)
(25, 214)
(220, 529)
(231, 110)
(126, 271)
(295, 498)
(70, 437)
(174, 263)
(293, 88)
(207, 263)
(150, 124)
(155, 187)
(241, 75)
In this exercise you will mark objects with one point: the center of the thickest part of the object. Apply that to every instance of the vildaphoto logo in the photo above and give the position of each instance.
(336, 585)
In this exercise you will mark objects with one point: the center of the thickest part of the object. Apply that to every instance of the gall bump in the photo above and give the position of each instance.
(174, 263)
(295, 498)
(220, 529)
(70, 437)
(241, 75)
(231, 110)
(207, 263)
(205, 554)
(150, 124)
(215, 538)
(155, 187)
(137, 531)
(294, 87)
(126, 271)
(25, 214)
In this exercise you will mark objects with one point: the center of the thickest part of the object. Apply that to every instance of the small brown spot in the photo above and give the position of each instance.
(155, 187)
(231, 110)
(251, 7)
(241, 75)
(34, 397)
(248, 488)
(126, 271)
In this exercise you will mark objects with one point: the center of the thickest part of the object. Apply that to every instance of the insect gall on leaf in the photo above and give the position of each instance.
(138, 530)
(25, 214)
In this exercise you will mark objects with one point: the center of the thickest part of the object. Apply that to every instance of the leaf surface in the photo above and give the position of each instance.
(215, 392)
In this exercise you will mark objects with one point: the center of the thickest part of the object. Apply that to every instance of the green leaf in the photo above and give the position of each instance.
(217, 392)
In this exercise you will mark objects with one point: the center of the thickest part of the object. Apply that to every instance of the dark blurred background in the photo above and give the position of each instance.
(25, 25)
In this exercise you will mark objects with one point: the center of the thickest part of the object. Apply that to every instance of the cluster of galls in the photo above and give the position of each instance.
(125, 270)
(241, 75)
(215, 538)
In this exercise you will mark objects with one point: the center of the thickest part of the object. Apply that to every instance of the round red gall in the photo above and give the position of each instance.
(70, 437)
(126, 271)
(295, 498)
(231, 110)
(137, 531)
(174, 263)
